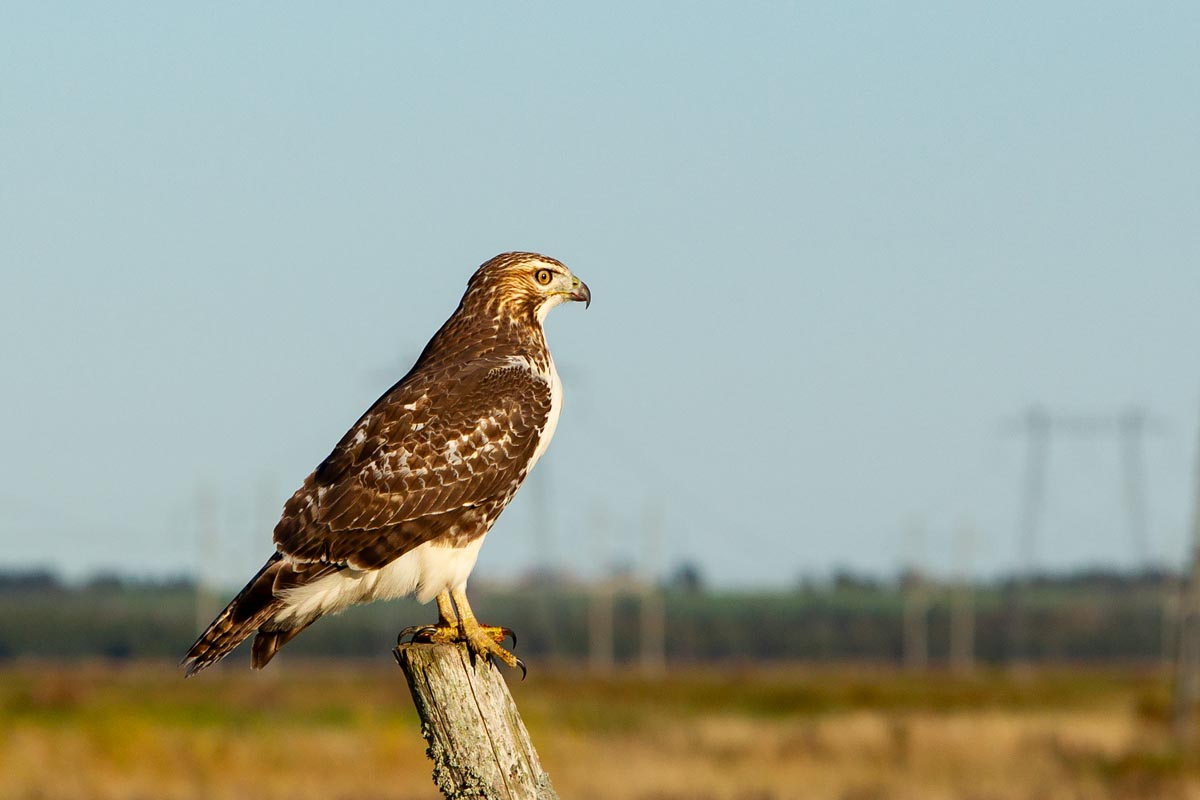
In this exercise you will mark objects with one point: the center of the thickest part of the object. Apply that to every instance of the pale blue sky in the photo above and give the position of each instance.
(831, 250)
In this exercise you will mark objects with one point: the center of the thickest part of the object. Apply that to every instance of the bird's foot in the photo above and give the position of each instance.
(482, 640)
(440, 633)
(486, 640)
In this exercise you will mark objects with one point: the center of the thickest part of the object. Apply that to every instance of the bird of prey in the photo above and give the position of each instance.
(403, 503)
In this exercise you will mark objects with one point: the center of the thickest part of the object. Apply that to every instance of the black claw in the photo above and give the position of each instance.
(510, 633)
(521, 664)
(414, 631)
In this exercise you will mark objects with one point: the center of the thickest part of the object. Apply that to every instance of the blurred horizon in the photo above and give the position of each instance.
(837, 255)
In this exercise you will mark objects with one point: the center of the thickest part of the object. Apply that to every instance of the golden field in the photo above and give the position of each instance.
(348, 730)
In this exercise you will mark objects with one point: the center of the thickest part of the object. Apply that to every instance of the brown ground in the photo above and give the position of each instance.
(348, 731)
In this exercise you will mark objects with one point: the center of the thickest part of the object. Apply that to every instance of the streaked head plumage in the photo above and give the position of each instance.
(524, 286)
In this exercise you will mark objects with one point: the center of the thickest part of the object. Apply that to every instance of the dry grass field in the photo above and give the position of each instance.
(348, 731)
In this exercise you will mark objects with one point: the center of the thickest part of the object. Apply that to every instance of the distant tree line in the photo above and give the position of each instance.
(1089, 615)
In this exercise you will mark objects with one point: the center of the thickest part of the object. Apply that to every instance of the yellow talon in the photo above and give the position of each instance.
(456, 623)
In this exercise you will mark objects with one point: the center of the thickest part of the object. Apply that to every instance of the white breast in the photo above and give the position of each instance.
(556, 400)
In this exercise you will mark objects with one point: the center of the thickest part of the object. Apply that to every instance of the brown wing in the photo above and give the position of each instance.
(440, 449)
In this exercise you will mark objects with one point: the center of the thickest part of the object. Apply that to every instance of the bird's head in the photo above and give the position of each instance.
(524, 286)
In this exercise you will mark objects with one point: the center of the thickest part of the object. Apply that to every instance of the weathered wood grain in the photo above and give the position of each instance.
(477, 741)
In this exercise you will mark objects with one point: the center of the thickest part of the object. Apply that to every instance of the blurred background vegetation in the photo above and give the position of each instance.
(1088, 616)
(814, 692)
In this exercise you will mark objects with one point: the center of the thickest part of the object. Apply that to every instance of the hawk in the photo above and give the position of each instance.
(403, 503)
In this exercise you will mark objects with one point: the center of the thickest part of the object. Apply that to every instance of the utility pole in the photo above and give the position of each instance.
(1172, 602)
(265, 512)
(1187, 671)
(206, 555)
(543, 535)
(962, 605)
(545, 569)
(600, 603)
(654, 614)
(916, 604)
(1132, 426)
(1036, 427)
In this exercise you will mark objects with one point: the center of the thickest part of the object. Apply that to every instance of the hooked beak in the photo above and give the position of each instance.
(581, 292)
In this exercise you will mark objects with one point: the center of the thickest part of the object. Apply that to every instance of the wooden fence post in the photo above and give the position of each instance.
(477, 741)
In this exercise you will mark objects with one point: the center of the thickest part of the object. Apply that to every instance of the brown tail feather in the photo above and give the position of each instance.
(253, 606)
(267, 644)
(251, 610)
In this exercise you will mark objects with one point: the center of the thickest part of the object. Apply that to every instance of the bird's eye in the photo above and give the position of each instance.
(543, 276)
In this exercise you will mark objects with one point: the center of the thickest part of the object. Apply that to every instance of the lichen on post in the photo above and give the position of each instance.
(477, 741)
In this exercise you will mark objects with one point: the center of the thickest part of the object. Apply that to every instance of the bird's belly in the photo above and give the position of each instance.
(426, 571)
(423, 572)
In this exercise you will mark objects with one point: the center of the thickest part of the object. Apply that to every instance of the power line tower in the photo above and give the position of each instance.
(545, 566)
(206, 556)
(1132, 426)
(962, 605)
(1187, 670)
(1036, 426)
(653, 607)
(916, 603)
(601, 655)
(1039, 427)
